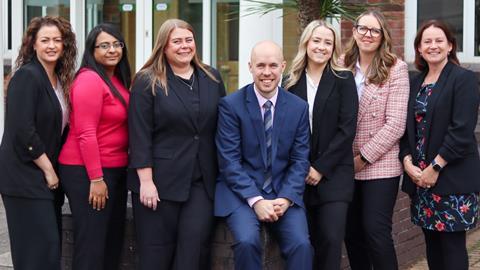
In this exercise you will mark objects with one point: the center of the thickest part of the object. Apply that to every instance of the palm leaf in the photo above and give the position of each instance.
(327, 8)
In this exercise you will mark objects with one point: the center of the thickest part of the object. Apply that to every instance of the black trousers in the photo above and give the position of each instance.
(98, 235)
(369, 225)
(446, 250)
(33, 229)
(177, 234)
(326, 224)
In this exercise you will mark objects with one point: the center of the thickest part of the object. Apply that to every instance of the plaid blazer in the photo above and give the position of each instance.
(381, 123)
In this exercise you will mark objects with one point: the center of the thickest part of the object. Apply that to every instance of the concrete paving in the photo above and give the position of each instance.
(473, 244)
(5, 257)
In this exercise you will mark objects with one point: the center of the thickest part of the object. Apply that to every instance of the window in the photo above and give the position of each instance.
(38, 8)
(187, 10)
(225, 41)
(463, 17)
(450, 11)
(119, 13)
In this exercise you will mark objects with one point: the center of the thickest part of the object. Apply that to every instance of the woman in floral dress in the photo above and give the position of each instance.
(439, 149)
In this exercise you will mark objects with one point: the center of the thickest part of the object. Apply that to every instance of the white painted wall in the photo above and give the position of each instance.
(255, 28)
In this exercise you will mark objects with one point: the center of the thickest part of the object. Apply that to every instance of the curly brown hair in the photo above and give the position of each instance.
(65, 67)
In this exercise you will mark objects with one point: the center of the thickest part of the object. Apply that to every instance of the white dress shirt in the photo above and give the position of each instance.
(261, 100)
(311, 93)
(359, 79)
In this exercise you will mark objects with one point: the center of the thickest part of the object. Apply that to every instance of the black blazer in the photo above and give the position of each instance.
(164, 135)
(33, 126)
(334, 124)
(452, 117)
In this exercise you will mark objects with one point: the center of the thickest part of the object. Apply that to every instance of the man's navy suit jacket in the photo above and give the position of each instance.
(242, 149)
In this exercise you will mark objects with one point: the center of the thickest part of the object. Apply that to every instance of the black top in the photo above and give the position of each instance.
(191, 92)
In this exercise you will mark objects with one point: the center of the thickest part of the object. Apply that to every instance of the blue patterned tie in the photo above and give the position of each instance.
(268, 124)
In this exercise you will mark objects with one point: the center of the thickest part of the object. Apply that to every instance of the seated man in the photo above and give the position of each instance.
(263, 147)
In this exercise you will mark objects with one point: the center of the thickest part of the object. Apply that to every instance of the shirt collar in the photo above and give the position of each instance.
(358, 69)
(262, 100)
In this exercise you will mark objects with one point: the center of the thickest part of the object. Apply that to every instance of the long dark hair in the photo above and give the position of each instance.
(420, 63)
(122, 70)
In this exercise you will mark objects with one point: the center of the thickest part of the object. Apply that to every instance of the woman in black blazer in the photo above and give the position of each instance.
(331, 94)
(35, 118)
(439, 149)
(172, 122)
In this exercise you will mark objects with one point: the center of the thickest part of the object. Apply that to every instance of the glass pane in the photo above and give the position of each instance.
(225, 41)
(188, 10)
(477, 28)
(449, 11)
(118, 12)
(38, 8)
(291, 36)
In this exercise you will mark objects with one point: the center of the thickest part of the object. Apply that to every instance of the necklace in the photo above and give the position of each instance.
(188, 85)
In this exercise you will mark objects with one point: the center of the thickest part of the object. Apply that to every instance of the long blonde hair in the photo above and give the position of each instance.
(156, 66)
(300, 61)
(379, 70)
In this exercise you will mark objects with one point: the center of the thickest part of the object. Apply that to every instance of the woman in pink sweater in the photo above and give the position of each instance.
(95, 155)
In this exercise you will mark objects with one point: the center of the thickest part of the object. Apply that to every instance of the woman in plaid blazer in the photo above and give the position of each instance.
(383, 87)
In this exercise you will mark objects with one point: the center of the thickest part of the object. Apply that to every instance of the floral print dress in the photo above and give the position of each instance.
(447, 213)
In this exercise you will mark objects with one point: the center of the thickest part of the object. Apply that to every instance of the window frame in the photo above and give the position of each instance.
(467, 56)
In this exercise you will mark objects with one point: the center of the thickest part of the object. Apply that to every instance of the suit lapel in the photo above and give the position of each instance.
(256, 117)
(181, 95)
(204, 93)
(325, 88)
(411, 126)
(433, 98)
(300, 88)
(280, 112)
(51, 96)
(366, 99)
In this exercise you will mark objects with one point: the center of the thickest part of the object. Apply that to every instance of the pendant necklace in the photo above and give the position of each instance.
(190, 86)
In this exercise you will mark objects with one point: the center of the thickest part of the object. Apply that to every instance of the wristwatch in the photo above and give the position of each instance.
(436, 166)
(364, 159)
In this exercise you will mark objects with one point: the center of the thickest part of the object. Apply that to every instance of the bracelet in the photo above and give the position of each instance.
(96, 180)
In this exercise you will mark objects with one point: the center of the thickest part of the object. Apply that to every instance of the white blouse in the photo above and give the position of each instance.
(311, 92)
(359, 79)
(63, 104)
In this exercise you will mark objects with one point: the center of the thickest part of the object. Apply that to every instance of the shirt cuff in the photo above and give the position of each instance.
(251, 201)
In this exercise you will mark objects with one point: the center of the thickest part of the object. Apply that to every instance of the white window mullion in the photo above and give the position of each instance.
(410, 29)
(77, 19)
(207, 31)
(140, 34)
(17, 27)
(149, 34)
(468, 22)
(4, 29)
